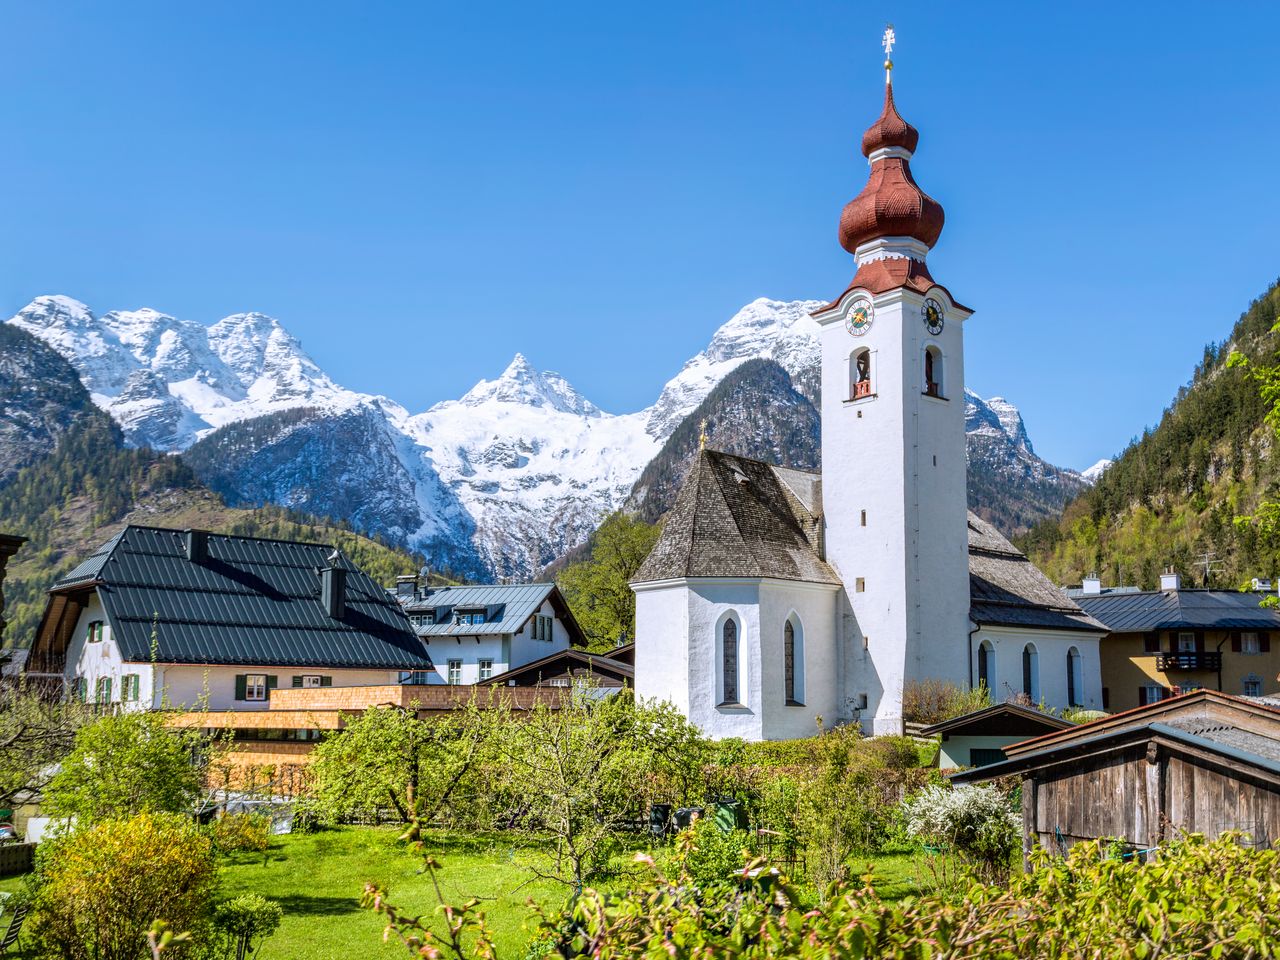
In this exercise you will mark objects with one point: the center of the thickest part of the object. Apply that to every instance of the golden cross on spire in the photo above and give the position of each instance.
(702, 435)
(889, 40)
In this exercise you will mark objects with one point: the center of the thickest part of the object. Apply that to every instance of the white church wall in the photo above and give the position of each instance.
(813, 608)
(710, 602)
(662, 643)
(1050, 664)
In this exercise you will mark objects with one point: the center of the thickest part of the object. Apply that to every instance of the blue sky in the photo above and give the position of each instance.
(420, 190)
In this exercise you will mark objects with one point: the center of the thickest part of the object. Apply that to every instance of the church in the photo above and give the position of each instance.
(776, 600)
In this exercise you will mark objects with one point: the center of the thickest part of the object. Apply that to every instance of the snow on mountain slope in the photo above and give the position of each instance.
(497, 483)
(1093, 473)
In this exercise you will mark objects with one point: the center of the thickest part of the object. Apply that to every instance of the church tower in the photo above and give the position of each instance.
(893, 441)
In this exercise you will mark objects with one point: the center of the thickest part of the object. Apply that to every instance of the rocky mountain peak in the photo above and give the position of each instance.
(522, 384)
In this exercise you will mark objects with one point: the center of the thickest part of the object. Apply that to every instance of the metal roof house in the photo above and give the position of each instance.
(475, 633)
(1175, 640)
(1203, 762)
(980, 738)
(159, 617)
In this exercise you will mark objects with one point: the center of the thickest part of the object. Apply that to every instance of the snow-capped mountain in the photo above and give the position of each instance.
(1093, 473)
(497, 483)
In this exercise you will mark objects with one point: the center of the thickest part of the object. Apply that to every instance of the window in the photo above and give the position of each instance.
(864, 518)
(1075, 678)
(130, 685)
(1249, 644)
(1188, 688)
(310, 681)
(80, 689)
(793, 663)
(469, 617)
(428, 618)
(859, 585)
(102, 690)
(1150, 693)
(729, 661)
(486, 669)
(1252, 686)
(455, 672)
(986, 663)
(542, 627)
(860, 374)
(862, 701)
(1031, 673)
(933, 372)
(1151, 642)
(255, 687)
(417, 678)
(1186, 642)
(96, 631)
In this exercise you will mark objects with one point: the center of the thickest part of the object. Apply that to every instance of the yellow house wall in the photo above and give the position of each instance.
(1127, 666)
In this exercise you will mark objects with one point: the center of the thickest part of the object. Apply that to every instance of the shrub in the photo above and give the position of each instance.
(241, 831)
(244, 924)
(932, 701)
(710, 855)
(124, 765)
(977, 822)
(102, 888)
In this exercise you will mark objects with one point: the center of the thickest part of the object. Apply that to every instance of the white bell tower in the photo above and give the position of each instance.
(893, 441)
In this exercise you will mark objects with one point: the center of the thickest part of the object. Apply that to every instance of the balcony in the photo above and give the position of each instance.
(861, 389)
(1207, 660)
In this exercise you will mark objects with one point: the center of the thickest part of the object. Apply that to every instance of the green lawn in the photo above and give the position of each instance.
(318, 879)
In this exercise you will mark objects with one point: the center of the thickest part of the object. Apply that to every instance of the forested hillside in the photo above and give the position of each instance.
(1175, 495)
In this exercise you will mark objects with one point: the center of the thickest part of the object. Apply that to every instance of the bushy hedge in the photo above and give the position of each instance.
(1197, 899)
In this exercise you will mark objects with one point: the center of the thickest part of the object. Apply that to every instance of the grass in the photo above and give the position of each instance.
(318, 879)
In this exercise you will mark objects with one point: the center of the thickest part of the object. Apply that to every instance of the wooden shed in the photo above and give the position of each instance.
(1204, 763)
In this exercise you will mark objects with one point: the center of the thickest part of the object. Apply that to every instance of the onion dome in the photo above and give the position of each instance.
(891, 204)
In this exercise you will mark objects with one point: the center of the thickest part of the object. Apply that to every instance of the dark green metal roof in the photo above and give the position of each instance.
(251, 601)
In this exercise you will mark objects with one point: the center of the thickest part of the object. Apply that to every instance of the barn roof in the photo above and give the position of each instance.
(1172, 609)
(1238, 729)
(246, 601)
(566, 664)
(1001, 719)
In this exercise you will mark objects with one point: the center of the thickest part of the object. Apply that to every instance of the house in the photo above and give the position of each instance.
(159, 617)
(775, 597)
(1174, 640)
(980, 738)
(609, 671)
(1203, 762)
(475, 633)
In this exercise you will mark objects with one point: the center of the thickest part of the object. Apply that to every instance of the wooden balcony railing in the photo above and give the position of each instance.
(861, 389)
(1203, 660)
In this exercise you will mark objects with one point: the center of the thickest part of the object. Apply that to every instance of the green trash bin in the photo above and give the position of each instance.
(729, 816)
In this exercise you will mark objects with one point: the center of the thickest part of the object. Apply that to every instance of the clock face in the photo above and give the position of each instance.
(858, 321)
(931, 314)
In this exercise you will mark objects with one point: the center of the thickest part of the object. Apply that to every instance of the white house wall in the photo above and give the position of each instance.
(507, 651)
(93, 661)
(1051, 648)
(525, 649)
(186, 686)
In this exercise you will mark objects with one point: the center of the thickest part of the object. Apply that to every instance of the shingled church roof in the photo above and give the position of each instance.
(737, 517)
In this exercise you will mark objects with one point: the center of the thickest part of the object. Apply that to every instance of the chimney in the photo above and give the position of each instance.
(333, 588)
(406, 587)
(196, 544)
(1170, 580)
(1091, 586)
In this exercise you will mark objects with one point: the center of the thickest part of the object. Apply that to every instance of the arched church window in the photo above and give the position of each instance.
(860, 373)
(729, 661)
(1075, 678)
(1031, 673)
(933, 371)
(986, 663)
(793, 662)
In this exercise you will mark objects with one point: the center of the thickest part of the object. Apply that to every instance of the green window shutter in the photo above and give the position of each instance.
(240, 686)
(326, 681)
(297, 681)
(271, 685)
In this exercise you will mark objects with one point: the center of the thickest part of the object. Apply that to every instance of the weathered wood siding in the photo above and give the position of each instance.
(1144, 794)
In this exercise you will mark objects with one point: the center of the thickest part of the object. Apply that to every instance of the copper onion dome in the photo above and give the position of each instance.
(891, 204)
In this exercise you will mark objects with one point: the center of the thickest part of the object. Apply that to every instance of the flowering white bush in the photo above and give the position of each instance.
(976, 822)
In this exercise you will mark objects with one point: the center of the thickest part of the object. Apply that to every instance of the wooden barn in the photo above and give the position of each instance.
(1205, 762)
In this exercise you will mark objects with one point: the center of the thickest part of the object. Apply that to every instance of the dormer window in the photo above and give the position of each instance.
(96, 631)
(468, 617)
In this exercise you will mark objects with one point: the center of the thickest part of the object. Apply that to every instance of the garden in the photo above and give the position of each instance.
(601, 829)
